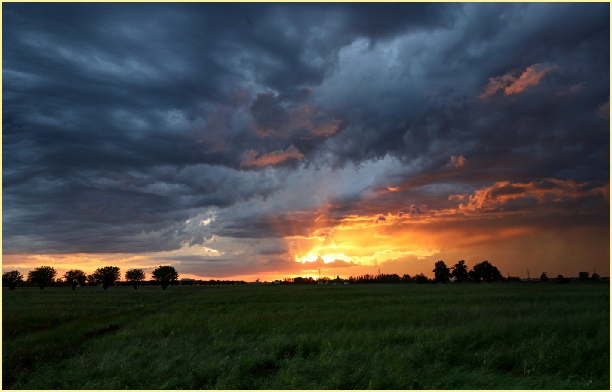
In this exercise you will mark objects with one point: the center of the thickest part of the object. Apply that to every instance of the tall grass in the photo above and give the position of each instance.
(487, 336)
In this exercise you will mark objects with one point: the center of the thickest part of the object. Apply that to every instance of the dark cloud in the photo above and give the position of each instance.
(125, 126)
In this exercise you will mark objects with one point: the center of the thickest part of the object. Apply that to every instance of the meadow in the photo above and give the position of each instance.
(400, 336)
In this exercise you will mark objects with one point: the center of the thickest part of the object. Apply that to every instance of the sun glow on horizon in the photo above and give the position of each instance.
(327, 258)
(363, 240)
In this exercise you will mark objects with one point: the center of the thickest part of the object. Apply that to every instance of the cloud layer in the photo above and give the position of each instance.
(261, 131)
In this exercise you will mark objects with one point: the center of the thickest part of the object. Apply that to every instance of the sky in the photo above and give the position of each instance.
(263, 141)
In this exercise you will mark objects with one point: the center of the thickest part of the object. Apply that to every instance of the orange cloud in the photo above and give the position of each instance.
(458, 161)
(510, 83)
(325, 129)
(456, 196)
(272, 158)
(548, 190)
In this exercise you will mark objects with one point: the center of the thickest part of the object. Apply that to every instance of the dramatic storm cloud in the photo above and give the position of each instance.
(273, 140)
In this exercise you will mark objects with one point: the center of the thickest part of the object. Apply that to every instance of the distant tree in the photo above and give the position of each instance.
(300, 280)
(11, 279)
(420, 279)
(544, 277)
(460, 272)
(441, 272)
(583, 275)
(91, 280)
(595, 276)
(406, 278)
(42, 276)
(165, 274)
(474, 276)
(75, 277)
(485, 271)
(134, 276)
(561, 279)
(387, 278)
(107, 275)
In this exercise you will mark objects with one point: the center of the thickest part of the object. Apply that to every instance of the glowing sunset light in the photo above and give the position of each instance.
(326, 258)
(339, 146)
(360, 240)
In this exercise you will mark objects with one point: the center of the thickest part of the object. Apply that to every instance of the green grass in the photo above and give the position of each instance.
(487, 336)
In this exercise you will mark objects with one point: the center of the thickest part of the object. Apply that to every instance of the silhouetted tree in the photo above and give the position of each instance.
(91, 280)
(460, 272)
(134, 276)
(107, 275)
(386, 278)
(485, 271)
(406, 278)
(595, 276)
(165, 274)
(75, 277)
(583, 276)
(544, 277)
(11, 279)
(42, 276)
(420, 279)
(300, 280)
(441, 272)
(561, 279)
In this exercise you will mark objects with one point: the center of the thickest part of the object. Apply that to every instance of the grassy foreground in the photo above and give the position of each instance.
(487, 336)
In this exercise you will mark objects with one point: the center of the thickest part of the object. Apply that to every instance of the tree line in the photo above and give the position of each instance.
(481, 272)
(166, 275)
(107, 276)
(459, 272)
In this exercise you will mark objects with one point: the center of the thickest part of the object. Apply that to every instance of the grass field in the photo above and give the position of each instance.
(487, 336)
